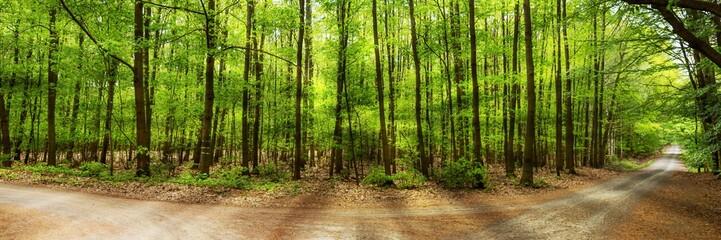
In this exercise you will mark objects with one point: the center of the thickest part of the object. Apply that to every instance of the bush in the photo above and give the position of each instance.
(42, 168)
(273, 173)
(8, 175)
(378, 177)
(464, 174)
(408, 179)
(92, 169)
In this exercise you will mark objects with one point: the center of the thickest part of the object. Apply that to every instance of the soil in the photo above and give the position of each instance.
(640, 205)
(687, 206)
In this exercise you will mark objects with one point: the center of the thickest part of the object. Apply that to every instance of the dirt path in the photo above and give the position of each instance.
(39, 213)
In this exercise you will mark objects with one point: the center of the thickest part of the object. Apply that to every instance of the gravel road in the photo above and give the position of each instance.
(39, 213)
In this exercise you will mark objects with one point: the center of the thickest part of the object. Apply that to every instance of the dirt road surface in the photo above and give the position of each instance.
(40, 213)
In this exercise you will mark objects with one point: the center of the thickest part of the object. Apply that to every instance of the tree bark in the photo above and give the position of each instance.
(559, 103)
(245, 134)
(299, 91)
(379, 89)
(206, 151)
(529, 157)
(474, 78)
(570, 142)
(52, 89)
(417, 71)
(112, 74)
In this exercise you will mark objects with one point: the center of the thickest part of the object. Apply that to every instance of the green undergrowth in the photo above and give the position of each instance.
(628, 164)
(454, 175)
(406, 179)
(266, 178)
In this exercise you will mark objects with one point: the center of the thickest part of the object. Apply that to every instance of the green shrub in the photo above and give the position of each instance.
(628, 164)
(273, 173)
(378, 177)
(41, 168)
(408, 179)
(8, 175)
(464, 174)
(92, 169)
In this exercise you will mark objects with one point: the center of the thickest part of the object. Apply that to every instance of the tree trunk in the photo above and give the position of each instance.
(379, 89)
(337, 154)
(559, 104)
(299, 91)
(570, 155)
(112, 73)
(474, 78)
(5, 130)
(245, 134)
(513, 99)
(52, 89)
(417, 70)
(206, 151)
(529, 157)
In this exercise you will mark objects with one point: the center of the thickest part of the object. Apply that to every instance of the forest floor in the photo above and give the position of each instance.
(661, 201)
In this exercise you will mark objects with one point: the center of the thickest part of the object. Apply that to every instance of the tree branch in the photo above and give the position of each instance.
(173, 7)
(694, 42)
(690, 4)
(260, 51)
(92, 38)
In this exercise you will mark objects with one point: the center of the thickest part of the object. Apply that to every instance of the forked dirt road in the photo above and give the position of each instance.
(40, 213)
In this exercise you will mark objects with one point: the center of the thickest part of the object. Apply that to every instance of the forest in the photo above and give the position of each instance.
(363, 89)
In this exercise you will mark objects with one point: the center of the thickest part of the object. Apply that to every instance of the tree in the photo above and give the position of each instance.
(529, 157)
(52, 87)
(206, 151)
(474, 78)
(299, 92)
(379, 88)
(417, 70)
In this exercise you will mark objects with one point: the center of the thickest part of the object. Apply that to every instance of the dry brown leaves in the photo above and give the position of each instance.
(317, 190)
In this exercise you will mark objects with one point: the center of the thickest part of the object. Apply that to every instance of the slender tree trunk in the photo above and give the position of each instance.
(206, 151)
(299, 91)
(245, 133)
(76, 104)
(559, 104)
(112, 73)
(570, 142)
(514, 98)
(530, 142)
(474, 78)
(337, 155)
(379, 89)
(417, 70)
(258, 100)
(52, 89)
(5, 130)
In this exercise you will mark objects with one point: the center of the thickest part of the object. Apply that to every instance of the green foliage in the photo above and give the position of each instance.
(378, 177)
(93, 169)
(7, 174)
(408, 179)
(273, 173)
(540, 183)
(464, 174)
(628, 164)
(696, 158)
(61, 169)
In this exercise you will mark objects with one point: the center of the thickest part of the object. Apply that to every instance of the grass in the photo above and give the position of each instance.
(629, 164)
